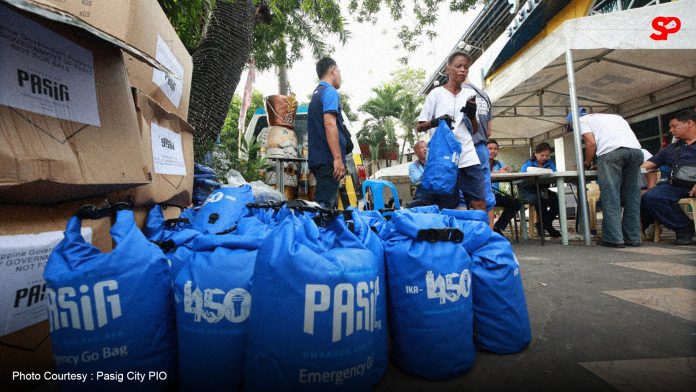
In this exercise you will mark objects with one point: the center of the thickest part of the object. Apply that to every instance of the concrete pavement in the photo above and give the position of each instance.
(602, 319)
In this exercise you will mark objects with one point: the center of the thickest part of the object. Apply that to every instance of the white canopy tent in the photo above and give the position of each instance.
(606, 63)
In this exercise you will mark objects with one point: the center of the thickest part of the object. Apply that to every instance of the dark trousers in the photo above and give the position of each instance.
(510, 207)
(327, 186)
(549, 206)
(660, 204)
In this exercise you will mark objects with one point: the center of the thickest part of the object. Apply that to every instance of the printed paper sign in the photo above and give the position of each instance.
(171, 85)
(167, 151)
(42, 72)
(22, 287)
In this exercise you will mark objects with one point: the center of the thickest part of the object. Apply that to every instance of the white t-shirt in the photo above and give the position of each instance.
(646, 154)
(441, 101)
(610, 131)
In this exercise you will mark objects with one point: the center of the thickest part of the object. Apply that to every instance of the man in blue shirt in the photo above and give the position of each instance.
(509, 204)
(417, 167)
(326, 139)
(660, 202)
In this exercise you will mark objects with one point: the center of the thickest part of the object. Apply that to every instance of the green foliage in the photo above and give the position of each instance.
(345, 105)
(410, 32)
(188, 18)
(225, 158)
(225, 153)
(297, 24)
(396, 102)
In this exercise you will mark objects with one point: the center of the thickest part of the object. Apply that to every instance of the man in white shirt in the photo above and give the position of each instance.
(611, 139)
(450, 100)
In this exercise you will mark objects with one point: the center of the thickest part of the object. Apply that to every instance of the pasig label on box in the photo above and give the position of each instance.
(167, 151)
(171, 85)
(22, 287)
(42, 72)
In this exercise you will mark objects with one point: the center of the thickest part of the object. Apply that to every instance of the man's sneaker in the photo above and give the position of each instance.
(684, 237)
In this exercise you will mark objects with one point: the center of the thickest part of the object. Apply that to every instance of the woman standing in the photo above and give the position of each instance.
(549, 200)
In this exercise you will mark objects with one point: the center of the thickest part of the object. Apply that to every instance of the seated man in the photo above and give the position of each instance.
(660, 202)
(510, 205)
(417, 167)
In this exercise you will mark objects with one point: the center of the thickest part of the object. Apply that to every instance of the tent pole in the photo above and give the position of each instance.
(579, 158)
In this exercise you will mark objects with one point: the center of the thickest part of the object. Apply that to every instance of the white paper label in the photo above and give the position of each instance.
(22, 261)
(42, 72)
(167, 151)
(171, 85)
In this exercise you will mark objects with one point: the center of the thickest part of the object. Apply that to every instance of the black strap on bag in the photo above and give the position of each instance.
(682, 175)
(441, 235)
(275, 205)
(92, 212)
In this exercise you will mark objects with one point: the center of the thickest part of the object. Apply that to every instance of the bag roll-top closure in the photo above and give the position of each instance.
(440, 235)
(475, 215)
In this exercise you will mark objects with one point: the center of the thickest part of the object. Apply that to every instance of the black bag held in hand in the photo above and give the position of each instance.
(683, 175)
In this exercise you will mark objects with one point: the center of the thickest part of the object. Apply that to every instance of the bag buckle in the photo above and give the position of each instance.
(440, 235)
(173, 223)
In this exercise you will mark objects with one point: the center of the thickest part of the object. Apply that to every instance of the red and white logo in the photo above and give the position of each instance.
(664, 26)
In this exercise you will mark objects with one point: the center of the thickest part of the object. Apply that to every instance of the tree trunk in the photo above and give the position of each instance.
(217, 67)
(283, 84)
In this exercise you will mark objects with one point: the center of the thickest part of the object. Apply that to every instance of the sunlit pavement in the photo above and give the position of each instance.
(603, 319)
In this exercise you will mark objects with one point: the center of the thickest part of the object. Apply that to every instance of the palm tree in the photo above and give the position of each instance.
(378, 130)
(408, 119)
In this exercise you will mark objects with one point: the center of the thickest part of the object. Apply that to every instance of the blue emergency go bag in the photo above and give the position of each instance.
(111, 312)
(442, 164)
(313, 324)
(213, 303)
(501, 320)
(430, 301)
(474, 224)
(223, 209)
(362, 226)
(172, 237)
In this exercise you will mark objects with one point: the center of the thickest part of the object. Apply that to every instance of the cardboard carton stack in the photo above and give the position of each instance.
(93, 106)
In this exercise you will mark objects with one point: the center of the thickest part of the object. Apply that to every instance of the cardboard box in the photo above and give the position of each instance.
(67, 122)
(28, 350)
(27, 237)
(167, 145)
(159, 86)
(141, 28)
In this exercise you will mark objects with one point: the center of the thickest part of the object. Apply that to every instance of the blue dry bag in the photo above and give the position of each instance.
(501, 321)
(111, 312)
(430, 313)
(360, 226)
(213, 302)
(314, 318)
(440, 175)
(223, 209)
(173, 238)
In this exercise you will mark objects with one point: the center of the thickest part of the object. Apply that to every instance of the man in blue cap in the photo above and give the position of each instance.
(612, 141)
